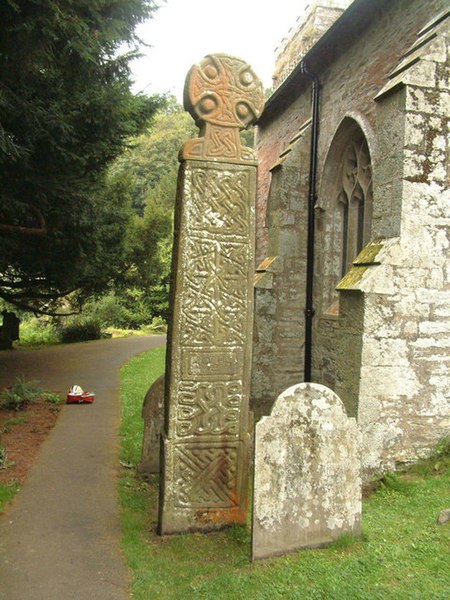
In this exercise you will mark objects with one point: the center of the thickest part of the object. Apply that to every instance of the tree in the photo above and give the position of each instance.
(150, 247)
(66, 111)
(154, 153)
(147, 175)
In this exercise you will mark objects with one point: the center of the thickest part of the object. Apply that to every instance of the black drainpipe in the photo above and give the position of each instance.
(312, 196)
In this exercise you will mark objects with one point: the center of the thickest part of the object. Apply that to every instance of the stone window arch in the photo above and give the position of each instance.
(354, 199)
(344, 213)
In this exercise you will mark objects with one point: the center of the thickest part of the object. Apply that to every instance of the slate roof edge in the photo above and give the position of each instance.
(357, 16)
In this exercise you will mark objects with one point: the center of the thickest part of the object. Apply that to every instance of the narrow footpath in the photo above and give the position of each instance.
(60, 540)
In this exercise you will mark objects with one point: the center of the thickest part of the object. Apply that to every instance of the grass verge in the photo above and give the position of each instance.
(7, 493)
(402, 554)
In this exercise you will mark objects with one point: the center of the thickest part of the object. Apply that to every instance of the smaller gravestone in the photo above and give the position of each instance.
(153, 415)
(307, 485)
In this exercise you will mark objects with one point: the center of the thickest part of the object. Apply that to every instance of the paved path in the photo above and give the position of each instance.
(60, 540)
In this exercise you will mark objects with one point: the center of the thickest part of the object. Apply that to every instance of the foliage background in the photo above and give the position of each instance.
(66, 111)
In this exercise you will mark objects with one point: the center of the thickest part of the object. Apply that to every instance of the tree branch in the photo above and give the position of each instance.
(39, 231)
(36, 310)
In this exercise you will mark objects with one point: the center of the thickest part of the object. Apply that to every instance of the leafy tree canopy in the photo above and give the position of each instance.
(154, 153)
(147, 174)
(66, 111)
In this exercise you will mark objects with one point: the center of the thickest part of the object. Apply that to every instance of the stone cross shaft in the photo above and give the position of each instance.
(205, 442)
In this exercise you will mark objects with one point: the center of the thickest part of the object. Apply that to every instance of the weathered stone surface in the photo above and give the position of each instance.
(223, 95)
(153, 415)
(280, 284)
(318, 17)
(205, 470)
(383, 345)
(307, 485)
(444, 516)
(400, 381)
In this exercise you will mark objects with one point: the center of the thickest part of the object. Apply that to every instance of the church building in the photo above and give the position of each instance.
(352, 288)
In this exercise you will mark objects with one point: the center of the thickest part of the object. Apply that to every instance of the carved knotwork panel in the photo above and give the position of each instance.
(209, 409)
(210, 329)
(206, 475)
(220, 202)
(216, 293)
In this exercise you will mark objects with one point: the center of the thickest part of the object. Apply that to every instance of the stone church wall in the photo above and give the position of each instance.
(319, 17)
(280, 299)
(395, 308)
(351, 78)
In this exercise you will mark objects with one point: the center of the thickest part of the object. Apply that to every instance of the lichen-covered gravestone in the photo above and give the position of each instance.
(153, 415)
(307, 485)
(205, 446)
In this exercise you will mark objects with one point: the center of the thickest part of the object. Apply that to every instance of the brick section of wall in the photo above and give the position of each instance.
(280, 289)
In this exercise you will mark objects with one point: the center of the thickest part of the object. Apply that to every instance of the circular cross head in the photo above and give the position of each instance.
(223, 90)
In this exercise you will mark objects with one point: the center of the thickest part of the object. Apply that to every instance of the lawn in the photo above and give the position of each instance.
(7, 493)
(402, 554)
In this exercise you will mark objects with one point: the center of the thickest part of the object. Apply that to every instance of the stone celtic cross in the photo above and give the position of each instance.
(205, 441)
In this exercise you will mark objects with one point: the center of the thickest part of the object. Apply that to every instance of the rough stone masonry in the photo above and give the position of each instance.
(381, 340)
(205, 442)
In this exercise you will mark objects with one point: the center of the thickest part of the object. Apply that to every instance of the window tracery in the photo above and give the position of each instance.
(344, 211)
(354, 198)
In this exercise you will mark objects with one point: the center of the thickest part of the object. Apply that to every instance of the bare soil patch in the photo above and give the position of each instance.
(22, 434)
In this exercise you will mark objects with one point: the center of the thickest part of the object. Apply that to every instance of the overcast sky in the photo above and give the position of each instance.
(184, 31)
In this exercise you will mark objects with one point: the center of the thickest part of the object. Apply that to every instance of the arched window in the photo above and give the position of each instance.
(344, 210)
(354, 198)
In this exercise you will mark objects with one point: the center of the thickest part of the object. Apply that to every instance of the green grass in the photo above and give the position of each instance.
(402, 554)
(7, 493)
(136, 377)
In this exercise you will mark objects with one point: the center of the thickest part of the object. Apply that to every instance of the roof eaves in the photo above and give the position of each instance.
(360, 11)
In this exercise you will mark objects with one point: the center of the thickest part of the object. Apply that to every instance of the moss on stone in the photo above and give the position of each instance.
(351, 280)
(368, 255)
(266, 263)
(365, 259)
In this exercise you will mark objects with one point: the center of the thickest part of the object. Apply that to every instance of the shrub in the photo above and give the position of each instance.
(80, 329)
(37, 331)
(158, 325)
(127, 309)
(109, 311)
(19, 395)
(51, 398)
